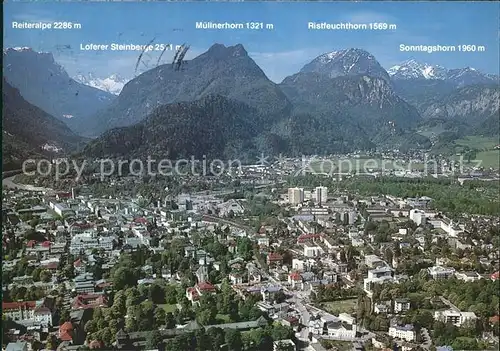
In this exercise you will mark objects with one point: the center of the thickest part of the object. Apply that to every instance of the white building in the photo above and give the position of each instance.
(302, 264)
(89, 240)
(468, 276)
(27, 311)
(417, 216)
(373, 261)
(381, 308)
(401, 305)
(43, 316)
(311, 250)
(321, 194)
(342, 327)
(19, 311)
(439, 272)
(403, 332)
(455, 317)
(377, 276)
(295, 195)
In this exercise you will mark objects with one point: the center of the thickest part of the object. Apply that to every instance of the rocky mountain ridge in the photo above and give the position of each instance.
(340, 101)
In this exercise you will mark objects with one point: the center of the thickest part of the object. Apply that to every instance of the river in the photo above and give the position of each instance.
(9, 183)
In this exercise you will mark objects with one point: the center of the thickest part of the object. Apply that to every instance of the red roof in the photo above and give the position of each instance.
(31, 243)
(65, 331)
(141, 220)
(192, 291)
(64, 194)
(273, 256)
(77, 263)
(104, 284)
(305, 237)
(46, 244)
(205, 286)
(295, 276)
(29, 305)
(495, 319)
(495, 275)
(85, 301)
(51, 265)
(65, 327)
(65, 336)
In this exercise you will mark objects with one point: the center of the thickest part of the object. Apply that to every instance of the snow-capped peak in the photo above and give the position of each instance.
(112, 84)
(331, 56)
(23, 49)
(411, 69)
(348, 62)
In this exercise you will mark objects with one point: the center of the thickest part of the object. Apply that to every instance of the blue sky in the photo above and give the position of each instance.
(279, 52)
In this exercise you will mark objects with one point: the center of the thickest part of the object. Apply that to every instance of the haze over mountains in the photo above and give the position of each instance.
(29, 131)
(222, 102)
(47, 85)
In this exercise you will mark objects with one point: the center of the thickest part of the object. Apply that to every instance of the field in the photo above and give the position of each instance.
(478, 142)
(432, 131)
(486, 154)
(169, 307)
(340, 306)
(489, 158)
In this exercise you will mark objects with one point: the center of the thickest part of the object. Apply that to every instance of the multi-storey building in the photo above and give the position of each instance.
(403, 332)
(455, 317)
(295, 195)
(321, 194)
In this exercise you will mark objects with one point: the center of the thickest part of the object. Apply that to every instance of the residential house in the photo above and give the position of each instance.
(377, 276)
(312, 250)
(468, 276)
(274, 258)
(85, 301)
(455, 317)
(381, 307)
(401, 305)
(236, 278)
(193, 294)
(268, 292)
(84, 283)
(403, 332)
(439, 272)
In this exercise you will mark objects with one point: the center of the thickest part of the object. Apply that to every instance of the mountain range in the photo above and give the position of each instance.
(112, 84)
(222, 103)
(458, 77)
(227, 71)
(339, 102)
